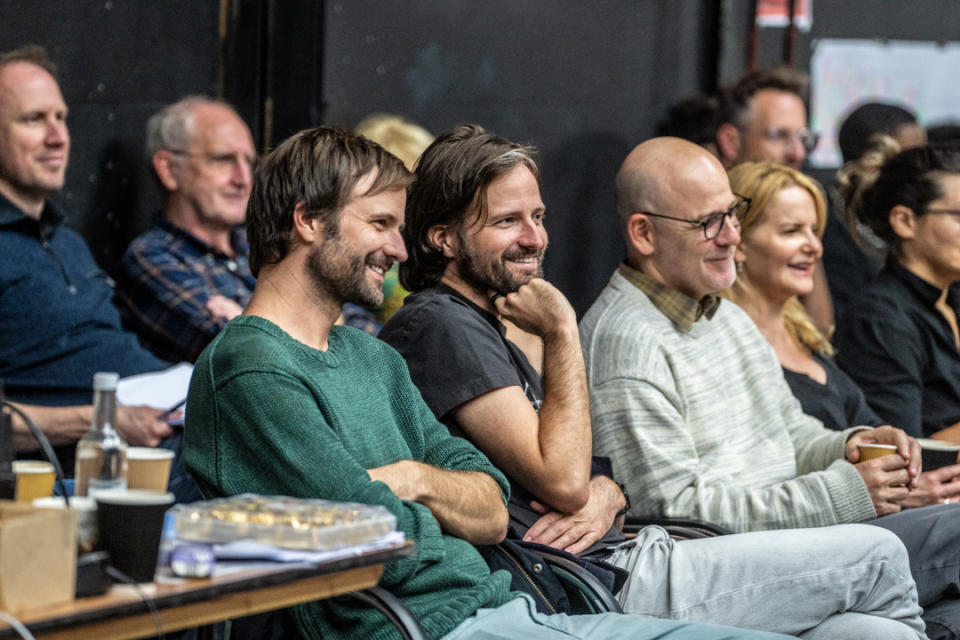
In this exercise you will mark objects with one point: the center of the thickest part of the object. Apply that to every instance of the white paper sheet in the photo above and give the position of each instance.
(159, 389)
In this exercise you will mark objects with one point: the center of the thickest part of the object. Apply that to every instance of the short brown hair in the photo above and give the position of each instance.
(320, 168)
(735, 101)
(32, 53)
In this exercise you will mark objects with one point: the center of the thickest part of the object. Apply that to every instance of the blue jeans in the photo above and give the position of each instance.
(519, 618)
(846, 581)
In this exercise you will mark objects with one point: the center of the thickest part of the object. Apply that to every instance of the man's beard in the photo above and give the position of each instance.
(342, 276)
(485, 274)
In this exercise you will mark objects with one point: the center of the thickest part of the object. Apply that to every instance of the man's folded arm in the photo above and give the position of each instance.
(466, 504)
(289, 448)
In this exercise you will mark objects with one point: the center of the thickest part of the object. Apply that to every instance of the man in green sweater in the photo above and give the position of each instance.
(284, 402)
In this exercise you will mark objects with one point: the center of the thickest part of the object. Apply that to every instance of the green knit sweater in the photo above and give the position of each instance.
(269, 415)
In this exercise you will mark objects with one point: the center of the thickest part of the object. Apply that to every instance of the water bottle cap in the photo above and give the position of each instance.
(105, 381)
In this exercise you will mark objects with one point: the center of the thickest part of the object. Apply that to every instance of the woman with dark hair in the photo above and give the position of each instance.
(778, 251)
(899, 338)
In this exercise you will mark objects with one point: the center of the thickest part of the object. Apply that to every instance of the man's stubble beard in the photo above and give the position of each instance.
(495, 275)
(340, 276)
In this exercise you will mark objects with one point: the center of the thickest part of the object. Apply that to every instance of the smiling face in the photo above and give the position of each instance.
(504, 249)
(682, 256)
(349, 264)
(34, 141)
(780, 252)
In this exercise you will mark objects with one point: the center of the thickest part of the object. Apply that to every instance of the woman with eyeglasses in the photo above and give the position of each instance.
(899, 338)
(779, 248)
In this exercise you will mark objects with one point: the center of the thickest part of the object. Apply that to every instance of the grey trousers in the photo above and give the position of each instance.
(932, 538)
(846, 581)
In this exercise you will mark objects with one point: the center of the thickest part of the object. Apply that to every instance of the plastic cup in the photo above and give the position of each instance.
(148, 468)
(35, 479)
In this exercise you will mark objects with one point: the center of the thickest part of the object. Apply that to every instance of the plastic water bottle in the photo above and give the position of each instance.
(102, 452)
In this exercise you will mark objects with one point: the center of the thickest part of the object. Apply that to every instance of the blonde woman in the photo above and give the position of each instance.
(779, 248)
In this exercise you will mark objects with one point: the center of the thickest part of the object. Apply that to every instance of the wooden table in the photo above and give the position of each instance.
(121, 613)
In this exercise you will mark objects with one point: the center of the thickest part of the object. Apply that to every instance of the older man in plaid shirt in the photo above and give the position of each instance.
(183, 280)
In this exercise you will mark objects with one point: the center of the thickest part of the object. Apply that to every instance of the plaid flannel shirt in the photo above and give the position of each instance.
(165, 280)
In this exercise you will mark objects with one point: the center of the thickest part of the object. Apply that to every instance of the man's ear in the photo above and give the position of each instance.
(164, 164)
(444, 239)
(728, 143)
(307, 228)
(640, 234)
(904, 221)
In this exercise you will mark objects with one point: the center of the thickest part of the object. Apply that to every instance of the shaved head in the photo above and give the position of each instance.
(673, 178)
(660, 171)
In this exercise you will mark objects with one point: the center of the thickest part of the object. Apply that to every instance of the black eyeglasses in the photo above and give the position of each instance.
(712, 224)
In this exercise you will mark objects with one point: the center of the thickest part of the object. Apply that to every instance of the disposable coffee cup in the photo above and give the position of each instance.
(86, 510)
(148, 468)
(875, 450)
(130, 523)
(35, 479)
(937, 453)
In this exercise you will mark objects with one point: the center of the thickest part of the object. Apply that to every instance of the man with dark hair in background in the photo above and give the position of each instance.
(764, 117)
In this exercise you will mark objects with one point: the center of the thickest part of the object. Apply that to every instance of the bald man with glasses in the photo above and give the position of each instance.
(689, 401)
(183, 280)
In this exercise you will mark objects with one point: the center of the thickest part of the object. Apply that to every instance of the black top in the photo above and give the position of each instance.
(900, 350)
(457, 351)
(838, 404)
(847, 267)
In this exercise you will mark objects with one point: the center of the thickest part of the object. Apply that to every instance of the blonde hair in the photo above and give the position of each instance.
(761, 182)
(398, 136)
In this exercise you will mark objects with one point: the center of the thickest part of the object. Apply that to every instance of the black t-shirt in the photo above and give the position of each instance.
(900, 349)
(838, 404)
(457, 351)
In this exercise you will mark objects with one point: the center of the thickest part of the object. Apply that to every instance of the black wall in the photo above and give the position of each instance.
(583, 81)
(119, 61)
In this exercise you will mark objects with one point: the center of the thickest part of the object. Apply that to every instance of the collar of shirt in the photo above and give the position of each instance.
(238, 239)
(12, 216)
(486, 315)
(680, 308)
(923, 290)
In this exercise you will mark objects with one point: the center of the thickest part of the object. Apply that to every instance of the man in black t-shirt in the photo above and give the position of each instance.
(475, 240)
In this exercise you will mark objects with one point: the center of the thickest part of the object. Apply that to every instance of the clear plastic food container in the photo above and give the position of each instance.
(281, 521)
